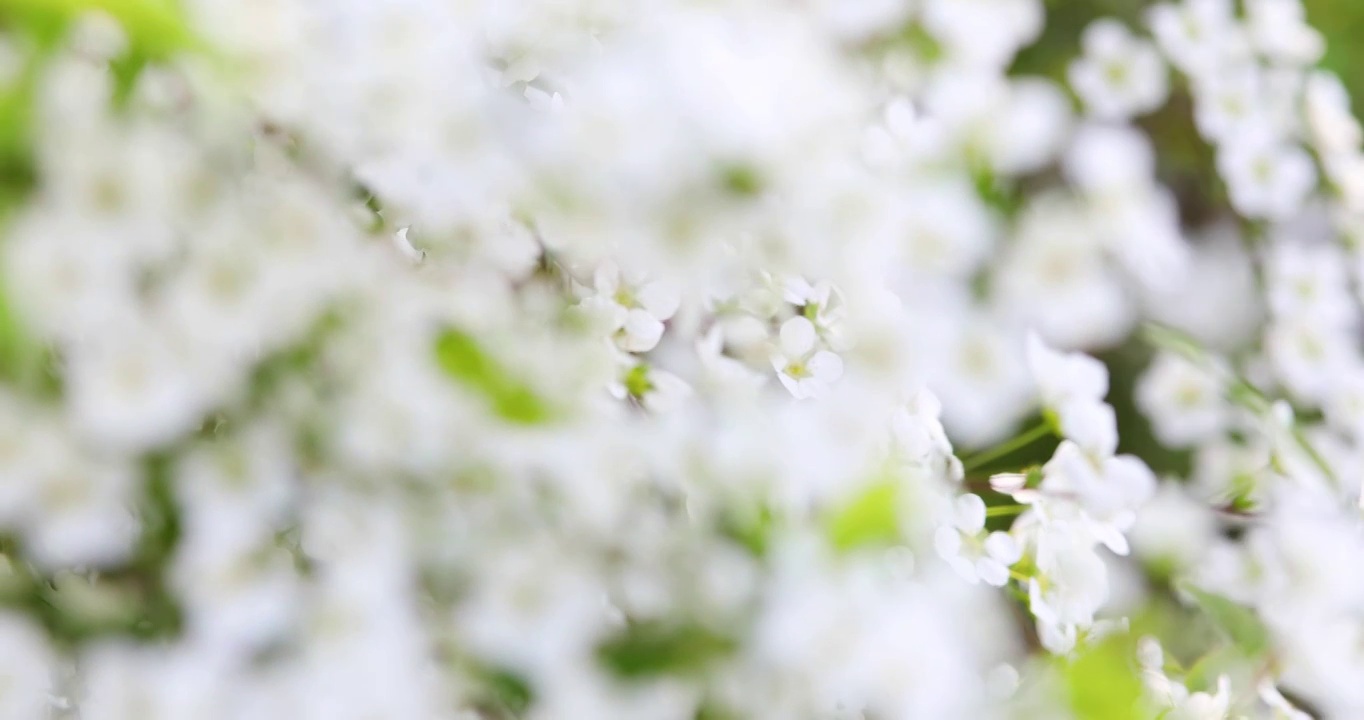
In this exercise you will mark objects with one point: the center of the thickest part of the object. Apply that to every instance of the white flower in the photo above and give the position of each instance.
(1202, 705)
(976, 373)
(820, 303)
(1114, 167)
(1309, 281)
(949, 230)
(1091, 426)
(1333, 126)
(400, 485)
(1266, 177)
(1071, 585)
(1105, 160)
(1183, 401)
(1065, 377)
(1013, 126)
(919, 435)
(1197, 35)
(1307, 355)
(633, 312)
(1280, 31)
(134, 387)
(1110, 489)
(803, 368)
(977, 557)
(1056, 280)
(1218, 300)
(1119, 76)
(1149, 653)
(1344, 407)
(1175, 529)
(28, 670)
(657, 390)
(983, 33)
(904, 137)
(731, 378)
(81, 514)
(1230, 101)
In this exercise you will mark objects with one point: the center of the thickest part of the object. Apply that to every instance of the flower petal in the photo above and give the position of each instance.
(1090, 424)
(606, 279)
(797, 337)
(642, 331)
(947, 542)
(660, 299)
(1003, 548)
(992, 572)
(969, 513)
(825, 366)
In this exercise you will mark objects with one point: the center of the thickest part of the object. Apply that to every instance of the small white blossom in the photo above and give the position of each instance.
(976, 556)
(803, 368)
(1119, 75)
(1280, 31)
(1184, 402)
(1266, 177)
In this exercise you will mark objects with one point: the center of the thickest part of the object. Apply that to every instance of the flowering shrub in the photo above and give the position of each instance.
(561, 359)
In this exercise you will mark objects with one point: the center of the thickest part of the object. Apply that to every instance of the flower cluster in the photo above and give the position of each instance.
(559, 359)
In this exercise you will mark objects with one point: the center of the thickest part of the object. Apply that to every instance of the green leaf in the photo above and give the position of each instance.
(658, 648)
(751, 529)
(741, 180)
(869, 519)
(505, 689)
(21, 358)
(1239, 623)
(710, 710)
(1203, 673)
(1101, 681)
(461, 357)
(155, 28)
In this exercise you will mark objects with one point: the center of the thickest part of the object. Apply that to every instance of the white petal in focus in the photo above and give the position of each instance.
(1002, 547)
(969, 513)
(992, 572)
(642, 331)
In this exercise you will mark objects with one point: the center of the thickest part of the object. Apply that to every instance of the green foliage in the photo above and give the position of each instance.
(751, 529)
(868, 519)
(712, 711)
(503, 693)
(155, 28)
(130, 600)
(1342, 23)
(1102, 683)
(22, 359)
(1203, 673)
(1240, 624)
(741, 180)
(655, 648)
(461, 357)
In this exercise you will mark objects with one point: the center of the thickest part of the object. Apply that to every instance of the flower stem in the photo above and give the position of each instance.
(1004, 510)
(1008, 446)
